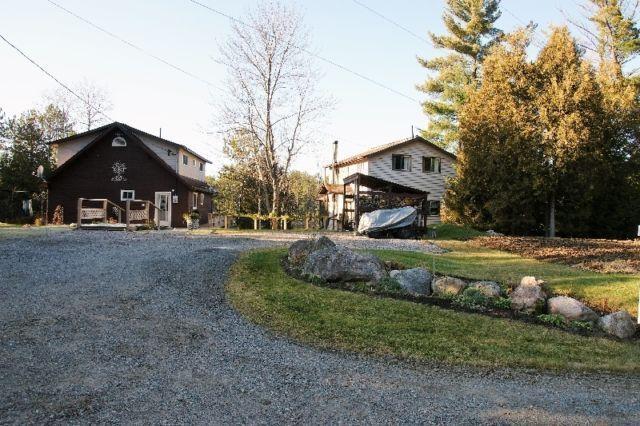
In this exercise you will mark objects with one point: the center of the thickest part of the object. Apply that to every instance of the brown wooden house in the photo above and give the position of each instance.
(120, 163)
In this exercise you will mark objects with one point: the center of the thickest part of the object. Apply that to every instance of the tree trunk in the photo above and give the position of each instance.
(275, 208)
(551, 231)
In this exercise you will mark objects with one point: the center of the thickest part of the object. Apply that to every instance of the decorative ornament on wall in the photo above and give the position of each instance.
(118, 172)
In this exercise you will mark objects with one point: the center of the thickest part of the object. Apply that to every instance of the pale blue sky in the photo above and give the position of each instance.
(148, 95)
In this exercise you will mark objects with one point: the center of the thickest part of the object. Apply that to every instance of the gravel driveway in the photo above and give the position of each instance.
(113, 327)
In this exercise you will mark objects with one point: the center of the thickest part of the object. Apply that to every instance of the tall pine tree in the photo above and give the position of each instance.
(471, 32)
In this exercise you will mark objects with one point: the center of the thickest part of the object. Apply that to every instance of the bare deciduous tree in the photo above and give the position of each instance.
(88, 110)
(272, 93)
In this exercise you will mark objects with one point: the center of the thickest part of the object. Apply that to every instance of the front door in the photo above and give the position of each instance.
(163, 202)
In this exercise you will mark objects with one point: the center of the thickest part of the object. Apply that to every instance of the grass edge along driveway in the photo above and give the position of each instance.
(326, 318)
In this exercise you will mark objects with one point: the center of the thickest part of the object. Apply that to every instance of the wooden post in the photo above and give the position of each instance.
(356, 202)
(226, 222)
(80, 212)
(104, 207)
(127, 215)
(284, 223)
(255, 223)
(306, 223)
(147, 209)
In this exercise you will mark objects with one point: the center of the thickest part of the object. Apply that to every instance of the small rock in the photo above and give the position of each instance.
(340, 264)
(448, 285)
(619, 324)
(531, 281)
(571, 309)
(493, 233)
(528, 297)
(301, 249)
(414, 281)
(487, 288)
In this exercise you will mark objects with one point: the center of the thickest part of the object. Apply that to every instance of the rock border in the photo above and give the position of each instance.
(531, 308)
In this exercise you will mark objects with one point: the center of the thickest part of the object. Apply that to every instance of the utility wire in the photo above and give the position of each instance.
(517, 18)
(392, 22)
(134, 46)
(310, 53)
(67, 88)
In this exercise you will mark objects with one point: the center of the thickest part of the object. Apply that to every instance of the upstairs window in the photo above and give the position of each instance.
(185, 160)
(194, 199)
(201, 166)
(119, 141)
(431, 165)
(401, 162)
(127, 194)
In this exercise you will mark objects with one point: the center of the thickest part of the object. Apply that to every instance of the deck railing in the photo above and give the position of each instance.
(102, 213)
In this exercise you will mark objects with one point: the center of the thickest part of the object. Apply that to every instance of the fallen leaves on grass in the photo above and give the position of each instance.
(607, 256)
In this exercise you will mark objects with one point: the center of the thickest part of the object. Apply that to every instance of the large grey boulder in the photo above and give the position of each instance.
(528, 297)
(415, 281)
(619, 324)
(340, 264)
(301, 249)
(570, 308)
(487, 288)
(448, 285)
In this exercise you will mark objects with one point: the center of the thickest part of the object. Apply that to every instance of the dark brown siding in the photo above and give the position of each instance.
(90, 176)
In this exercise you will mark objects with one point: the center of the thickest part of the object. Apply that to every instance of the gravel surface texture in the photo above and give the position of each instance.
(114, 327)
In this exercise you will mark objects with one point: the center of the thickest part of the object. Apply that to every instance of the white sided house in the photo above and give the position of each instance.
(411, 171)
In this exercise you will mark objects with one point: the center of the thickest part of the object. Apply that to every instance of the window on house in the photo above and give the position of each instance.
(202, 199)
(201, 166)
(431, 165)
(185, 160)
(194, 162)
(127, 194)
(119, 141)
(401, 162)
(194, 199)
(433, 208)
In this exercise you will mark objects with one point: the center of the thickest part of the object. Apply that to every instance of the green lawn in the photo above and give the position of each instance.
(329, 318)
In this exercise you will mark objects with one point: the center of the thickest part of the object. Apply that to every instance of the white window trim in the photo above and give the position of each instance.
(407, 162)
(133, 194)
(201, 198)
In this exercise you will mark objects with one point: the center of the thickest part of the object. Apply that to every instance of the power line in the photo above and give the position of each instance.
(134, 46)
(67, 88)
(517, 18)
(392, 22)
(310, 53)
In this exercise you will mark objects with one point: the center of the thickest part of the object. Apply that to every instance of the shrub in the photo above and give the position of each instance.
(501, 303)
(581, 325)
(553, 319)
(472, 299)
(390, 285)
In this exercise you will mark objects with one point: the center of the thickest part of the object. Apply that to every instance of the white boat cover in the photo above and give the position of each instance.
(380, 220)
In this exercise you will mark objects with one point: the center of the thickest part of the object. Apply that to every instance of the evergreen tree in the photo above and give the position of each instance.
(498, 160)
(570, 120)
(616, 38)
(471, 32)
(26, 147)
(537, 144)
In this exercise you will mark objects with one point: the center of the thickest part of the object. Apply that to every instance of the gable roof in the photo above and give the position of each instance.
(381, 148)
(116, 124)
(129, 131)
